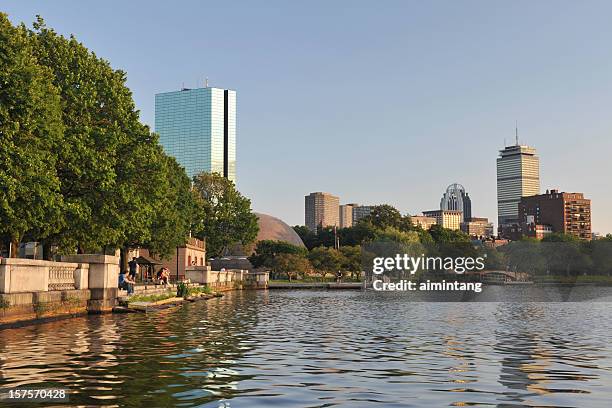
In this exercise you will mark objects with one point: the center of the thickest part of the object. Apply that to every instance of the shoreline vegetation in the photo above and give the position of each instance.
(551, 279)
(75, 154)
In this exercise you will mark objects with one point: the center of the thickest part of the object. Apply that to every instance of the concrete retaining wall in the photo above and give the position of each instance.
(34, 289)
(19, 307)
(228, 279)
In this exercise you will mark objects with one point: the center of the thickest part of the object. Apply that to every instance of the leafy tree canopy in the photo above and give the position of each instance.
(30, 127)
(267, 250)
(325, 260)
(225, 215)
(385, 216)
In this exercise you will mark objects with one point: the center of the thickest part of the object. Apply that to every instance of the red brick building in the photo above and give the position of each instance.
(555, 211)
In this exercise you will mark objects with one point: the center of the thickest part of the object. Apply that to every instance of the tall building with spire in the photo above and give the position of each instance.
(518, 175)
(456, 199)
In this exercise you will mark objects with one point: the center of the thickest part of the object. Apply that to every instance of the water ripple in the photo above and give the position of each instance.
(324, 349)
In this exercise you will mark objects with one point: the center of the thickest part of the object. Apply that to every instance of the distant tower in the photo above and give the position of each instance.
(456, 199)
(321, 210)
(518, 175)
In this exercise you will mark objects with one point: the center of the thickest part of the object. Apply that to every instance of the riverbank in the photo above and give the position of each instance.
(574, 280)
(33, 291)
(314, 285)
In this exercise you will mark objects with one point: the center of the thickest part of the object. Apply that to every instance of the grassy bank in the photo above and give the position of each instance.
(152, 298)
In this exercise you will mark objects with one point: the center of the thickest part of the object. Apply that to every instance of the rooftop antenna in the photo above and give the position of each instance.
(206, 83)
(516, 131)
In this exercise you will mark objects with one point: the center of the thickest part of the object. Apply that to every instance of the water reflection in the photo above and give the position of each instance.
(543, 361)
(318, 348)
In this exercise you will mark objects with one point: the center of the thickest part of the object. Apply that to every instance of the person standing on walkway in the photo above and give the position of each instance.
(133, 268)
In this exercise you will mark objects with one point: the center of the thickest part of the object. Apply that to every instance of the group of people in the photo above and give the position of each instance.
(127, 279)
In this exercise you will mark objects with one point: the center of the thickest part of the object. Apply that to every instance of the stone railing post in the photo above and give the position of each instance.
(103, 280)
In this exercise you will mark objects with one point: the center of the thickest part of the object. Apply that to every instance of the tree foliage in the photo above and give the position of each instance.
(226, 216)
(267, 250)
(30, 127)
(110, 165)
(386, 216)
(325, 260)
(351, 260)
(291, 264)
(175, 213)
(78, 168)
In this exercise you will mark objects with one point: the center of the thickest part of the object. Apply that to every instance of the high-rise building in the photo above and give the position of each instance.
(568, 213)
(450, 219)
(198, 127)
(518, 175)
(361, 211)
(321, 210)
(346, 215)
(456, 199)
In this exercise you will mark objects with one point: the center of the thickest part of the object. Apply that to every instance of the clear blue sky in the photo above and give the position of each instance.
(377, 102)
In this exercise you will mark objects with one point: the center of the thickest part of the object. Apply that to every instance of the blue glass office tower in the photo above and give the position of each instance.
(198, 128)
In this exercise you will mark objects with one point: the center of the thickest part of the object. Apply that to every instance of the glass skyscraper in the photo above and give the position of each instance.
(198, 127)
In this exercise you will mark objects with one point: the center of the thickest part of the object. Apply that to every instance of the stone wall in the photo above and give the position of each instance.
(34, 289)
(29, 275)
(25, 306)
(228, 279)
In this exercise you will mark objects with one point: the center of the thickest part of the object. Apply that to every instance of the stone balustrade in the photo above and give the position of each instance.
(87, 283)
(31, 289)
(30, 275)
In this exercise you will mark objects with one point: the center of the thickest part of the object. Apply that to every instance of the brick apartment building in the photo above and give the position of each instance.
(555, 211)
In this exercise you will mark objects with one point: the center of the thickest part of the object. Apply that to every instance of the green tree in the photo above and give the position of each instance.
(326, 236)
(560, 237)
(293, 265)
(602, 256)
(445, 235)
(110, 165)
(383, 216)
(266, 251)
(325, 260)
(308, 237)
(30, 128)
(525, 256)
(395, 235)
(351, 260)
(175, 213)
(226, 216)
(494, 259)
(358, 234)
(564, 254)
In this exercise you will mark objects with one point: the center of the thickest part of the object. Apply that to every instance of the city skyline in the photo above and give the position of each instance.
(456, 76)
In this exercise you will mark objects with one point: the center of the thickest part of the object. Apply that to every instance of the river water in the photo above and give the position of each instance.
(307, 348)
